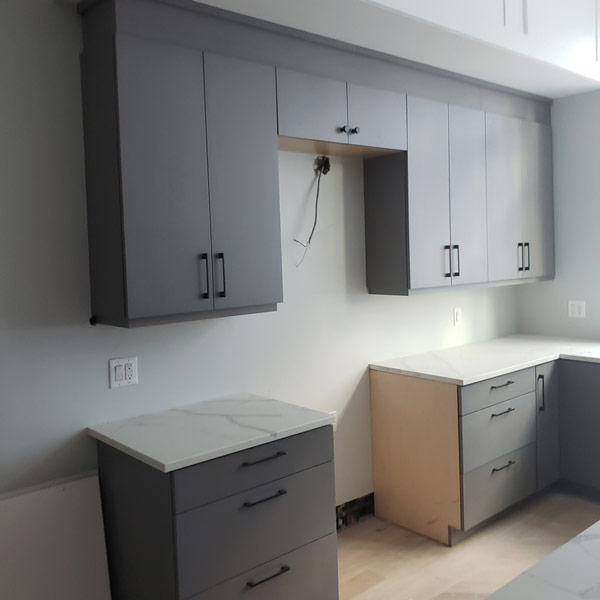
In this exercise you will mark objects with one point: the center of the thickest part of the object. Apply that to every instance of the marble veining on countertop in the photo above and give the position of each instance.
(571, 572)
(463, 365)
(184, 436)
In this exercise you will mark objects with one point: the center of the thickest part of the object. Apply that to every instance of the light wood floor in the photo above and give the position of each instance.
(379, 561)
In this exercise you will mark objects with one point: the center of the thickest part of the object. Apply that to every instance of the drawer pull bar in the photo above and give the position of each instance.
(499, 387)
(284, 569)
(510, 463)
(262, 460)
(277, 495)
(503, 413)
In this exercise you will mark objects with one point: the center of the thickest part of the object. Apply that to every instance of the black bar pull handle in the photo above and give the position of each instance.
(528, 267)
(457, 248)
(506, 412)
(262, 460)
(276, 495)
(542, 379)
(204, 258)
(284, 569)
(499, 387)
(221, 257)
(510, 463)
(448, 273)
(520, 255)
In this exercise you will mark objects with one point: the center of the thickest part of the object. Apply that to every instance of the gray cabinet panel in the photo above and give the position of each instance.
(497, 389)
(504, 196)
(380, 116)
(538, 204)
(203, 483)
(498, 484)
(311, 107)
(310, 572)
(163, 178)
(579, 418)
(497, 430)
(548, 424)
(468, 195)
(428, 194)
(241, 116)
(228, 537)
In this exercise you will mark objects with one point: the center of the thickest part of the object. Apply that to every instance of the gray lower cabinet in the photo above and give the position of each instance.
(166, 540)
(319, 108)
(182, 179)
(547, 378)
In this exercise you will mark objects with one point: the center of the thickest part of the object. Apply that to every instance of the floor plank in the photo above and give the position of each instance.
(379, 561)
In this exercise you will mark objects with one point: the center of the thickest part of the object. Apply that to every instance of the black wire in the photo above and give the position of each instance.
(312, 232)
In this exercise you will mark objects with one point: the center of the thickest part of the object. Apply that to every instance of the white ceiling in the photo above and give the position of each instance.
(369, 25)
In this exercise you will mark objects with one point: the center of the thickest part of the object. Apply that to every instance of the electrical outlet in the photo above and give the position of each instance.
(122, 372)
(576, 309)
(457, 317)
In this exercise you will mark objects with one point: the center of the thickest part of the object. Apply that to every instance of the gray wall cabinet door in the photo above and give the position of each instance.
(163, 178)
(311, 107)
(538, 203)
(376, 117)
(548, 441)
(241, 117)
(428, 194)
(468, 204)
(504, 196)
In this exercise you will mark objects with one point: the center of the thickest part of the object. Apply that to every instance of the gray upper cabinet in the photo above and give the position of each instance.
(164, 182)
(428, 194)
(312, 107)
(520, 200)
(505, 190)
(468, 206)
(318, 108)
(538, 205)
(376, 117)
(548, 424)
(241, 116)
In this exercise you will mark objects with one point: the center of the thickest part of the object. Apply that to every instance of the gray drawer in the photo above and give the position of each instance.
(487, 492)
(310, 572)
(498, 389)
(231, 474)
(226, 538)
(497, 430)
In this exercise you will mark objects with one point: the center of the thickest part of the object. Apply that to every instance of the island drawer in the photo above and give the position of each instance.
(226, 538)
(497, 430)
(309, 572)
(497, 389)
(498, 484)
(206, 482)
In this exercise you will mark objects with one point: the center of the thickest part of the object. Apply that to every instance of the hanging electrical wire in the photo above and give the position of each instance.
(322, 167)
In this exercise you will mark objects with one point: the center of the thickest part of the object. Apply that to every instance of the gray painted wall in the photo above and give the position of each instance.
(53, 366)
(543, 307)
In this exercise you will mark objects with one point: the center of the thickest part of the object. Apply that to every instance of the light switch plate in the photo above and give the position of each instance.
(576, 309)
(457, 317)
(122, 372)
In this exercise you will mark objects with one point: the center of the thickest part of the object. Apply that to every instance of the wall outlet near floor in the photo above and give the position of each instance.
(122, 372)
(457, 317)
(576, 309)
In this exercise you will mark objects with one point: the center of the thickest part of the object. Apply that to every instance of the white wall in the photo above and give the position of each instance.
(576, 139)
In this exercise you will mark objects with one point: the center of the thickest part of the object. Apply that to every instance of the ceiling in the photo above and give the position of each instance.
(372, 26)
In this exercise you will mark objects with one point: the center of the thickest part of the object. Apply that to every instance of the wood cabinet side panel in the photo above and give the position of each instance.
(416, 460)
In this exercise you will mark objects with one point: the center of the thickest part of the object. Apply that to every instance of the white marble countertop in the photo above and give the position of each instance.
(188, 435)
(572, 571)
(463, 365)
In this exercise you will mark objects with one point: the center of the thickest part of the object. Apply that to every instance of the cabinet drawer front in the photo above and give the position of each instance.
(496, 485)
(310, 572)
(231, 474)
(226, 538)
(497, 430)
(491, 391)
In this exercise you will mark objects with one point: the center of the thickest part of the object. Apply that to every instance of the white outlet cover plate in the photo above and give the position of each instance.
(457, 317)
(576, 309)
(122, 372)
